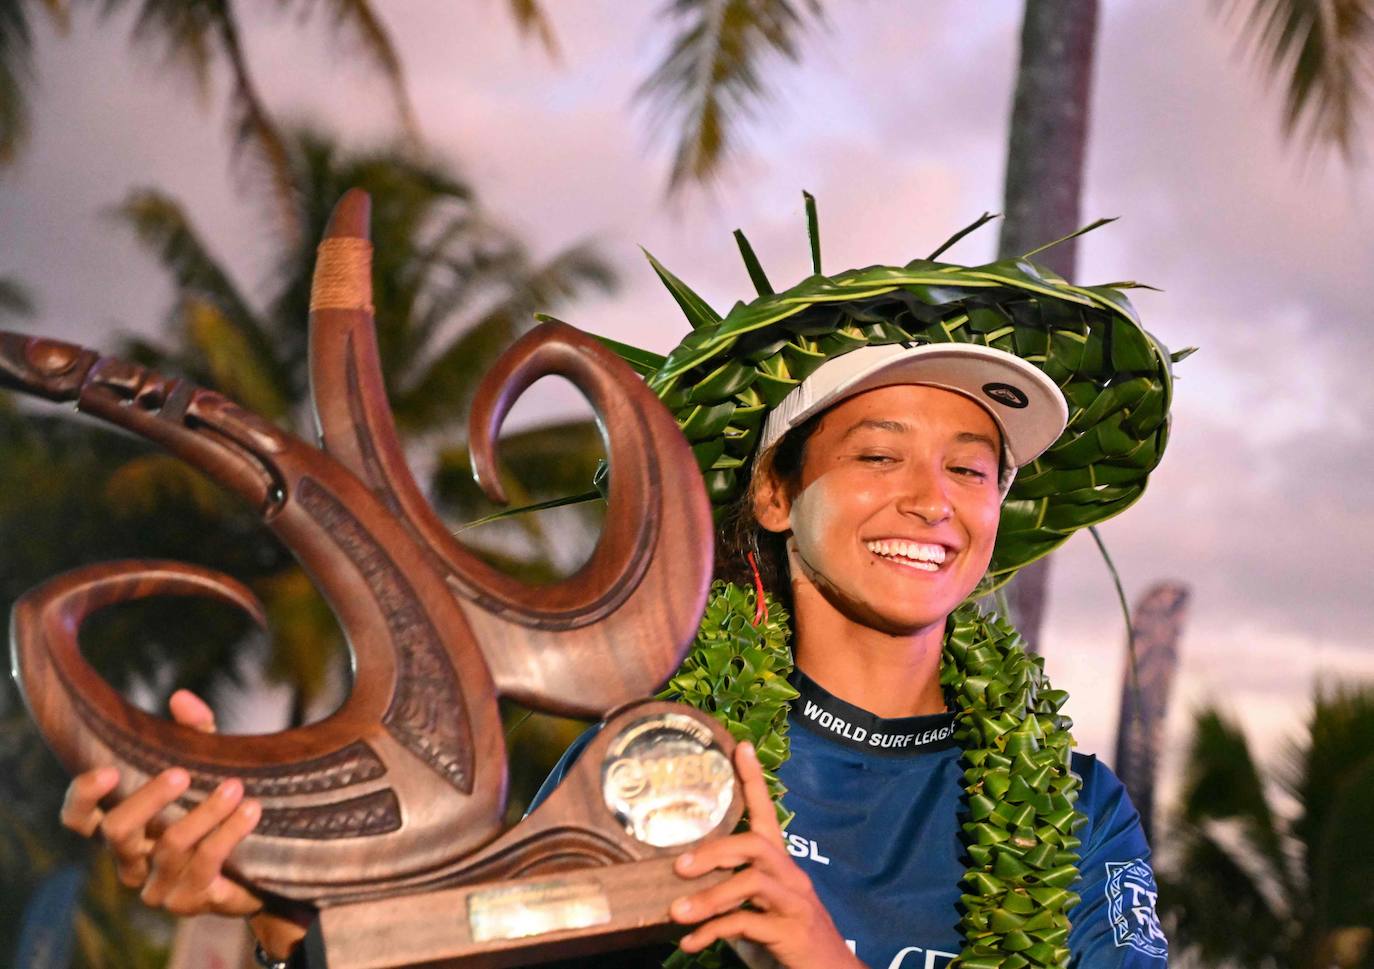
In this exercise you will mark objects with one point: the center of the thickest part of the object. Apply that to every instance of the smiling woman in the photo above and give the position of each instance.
(881, 494)
(881, 502)
(882, 447)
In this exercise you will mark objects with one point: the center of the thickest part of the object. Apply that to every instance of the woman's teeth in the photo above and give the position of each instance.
(918, 555)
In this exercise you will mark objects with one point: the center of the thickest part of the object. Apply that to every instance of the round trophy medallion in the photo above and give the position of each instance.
(665, 779)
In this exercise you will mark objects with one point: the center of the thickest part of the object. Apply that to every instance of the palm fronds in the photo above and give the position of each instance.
(1250, 887)
(160, 224)
(16, 70)
(1333, 779)
(532, 21)
(1322, 54)
(427, 393)
(358, 20)
(712, 75)
(192, 33)
(190, 37)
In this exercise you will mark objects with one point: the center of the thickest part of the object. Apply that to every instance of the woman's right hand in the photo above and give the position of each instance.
(180, 870)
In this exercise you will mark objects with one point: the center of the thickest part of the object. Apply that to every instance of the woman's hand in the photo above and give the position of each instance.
(180, 870)
(785, 917)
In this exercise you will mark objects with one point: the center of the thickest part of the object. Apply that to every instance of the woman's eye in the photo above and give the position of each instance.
(975, 473)
(875, 458)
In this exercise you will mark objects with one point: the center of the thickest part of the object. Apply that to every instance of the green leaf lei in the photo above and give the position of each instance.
(1019, 814)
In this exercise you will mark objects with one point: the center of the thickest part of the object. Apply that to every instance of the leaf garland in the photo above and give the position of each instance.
(737, 672)
(1019, 791)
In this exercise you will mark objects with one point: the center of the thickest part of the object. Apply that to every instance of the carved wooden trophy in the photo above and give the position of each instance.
(387, 814)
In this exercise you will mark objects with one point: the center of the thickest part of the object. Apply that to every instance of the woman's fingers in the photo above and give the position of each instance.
(81, 810)
(748, 885)
(200, 882)
(749, 848)
(760, 847)
(214, 850)
(763, 818)
(191, 711)
(182, 871)
(754, 926)
(125, 827)
(206, 870)
(175, 846)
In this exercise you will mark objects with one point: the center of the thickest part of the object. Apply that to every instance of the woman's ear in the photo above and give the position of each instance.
(772, 500)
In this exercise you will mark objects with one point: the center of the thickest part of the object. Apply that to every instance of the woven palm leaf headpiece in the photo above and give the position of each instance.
(720, 383)
(724, 377)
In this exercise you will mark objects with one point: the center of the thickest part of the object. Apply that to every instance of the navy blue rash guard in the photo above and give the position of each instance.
(877, 805)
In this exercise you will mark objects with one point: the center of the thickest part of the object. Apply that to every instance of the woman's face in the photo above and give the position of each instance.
(896, 514)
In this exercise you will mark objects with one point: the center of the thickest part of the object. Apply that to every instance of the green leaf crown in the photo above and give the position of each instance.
(724, 377)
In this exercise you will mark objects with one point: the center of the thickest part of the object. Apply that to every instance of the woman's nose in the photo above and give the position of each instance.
(925, 496)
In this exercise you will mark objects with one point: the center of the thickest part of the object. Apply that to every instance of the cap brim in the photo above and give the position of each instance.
(1022, 400)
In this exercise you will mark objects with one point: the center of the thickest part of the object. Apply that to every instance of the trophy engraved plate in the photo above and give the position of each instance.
(666, 780)
(387, 816)
(525, 910)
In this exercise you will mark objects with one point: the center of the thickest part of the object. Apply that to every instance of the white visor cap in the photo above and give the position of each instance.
(1022, 400)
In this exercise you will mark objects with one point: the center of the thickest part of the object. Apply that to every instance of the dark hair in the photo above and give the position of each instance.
(739, 533)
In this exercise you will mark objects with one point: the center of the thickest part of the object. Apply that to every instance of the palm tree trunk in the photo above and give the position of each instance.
(1049, 131)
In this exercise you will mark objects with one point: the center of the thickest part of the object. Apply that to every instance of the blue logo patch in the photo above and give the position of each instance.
(1131, 897)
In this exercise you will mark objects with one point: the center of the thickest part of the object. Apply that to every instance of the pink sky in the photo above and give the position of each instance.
(898, 124)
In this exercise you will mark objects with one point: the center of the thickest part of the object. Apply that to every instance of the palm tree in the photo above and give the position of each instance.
(193, 36)
(1254, 885)
(1044, 184)
(1322, 53)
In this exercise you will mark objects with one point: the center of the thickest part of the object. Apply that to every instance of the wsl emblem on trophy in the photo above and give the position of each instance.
(387, 814)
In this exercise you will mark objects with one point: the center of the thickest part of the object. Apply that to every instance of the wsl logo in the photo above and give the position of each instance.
(1131, 897)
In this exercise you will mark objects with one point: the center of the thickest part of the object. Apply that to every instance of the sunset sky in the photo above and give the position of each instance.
(897, 123)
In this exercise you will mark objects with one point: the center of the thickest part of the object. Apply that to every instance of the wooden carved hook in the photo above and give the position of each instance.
(407, 778)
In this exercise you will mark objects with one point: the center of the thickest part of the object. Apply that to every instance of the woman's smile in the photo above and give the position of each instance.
(909, 554)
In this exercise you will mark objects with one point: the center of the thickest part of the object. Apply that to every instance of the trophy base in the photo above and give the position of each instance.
(520, 922)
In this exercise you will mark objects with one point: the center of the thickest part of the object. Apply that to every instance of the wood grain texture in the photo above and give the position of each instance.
(640, 594)
(403, 786)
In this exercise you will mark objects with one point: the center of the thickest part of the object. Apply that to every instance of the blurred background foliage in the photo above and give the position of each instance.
(1272, 871)
(1264, 871)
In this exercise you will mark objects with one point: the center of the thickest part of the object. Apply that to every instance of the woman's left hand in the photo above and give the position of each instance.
(786, 917)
